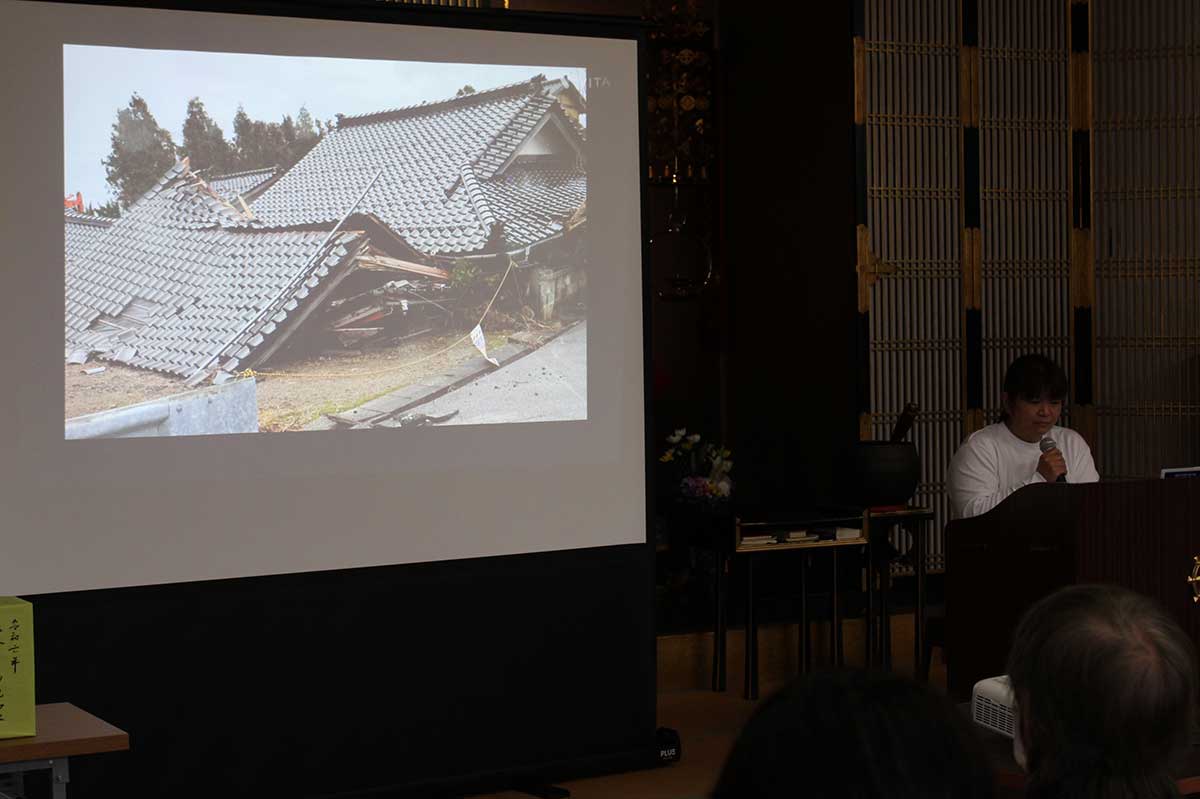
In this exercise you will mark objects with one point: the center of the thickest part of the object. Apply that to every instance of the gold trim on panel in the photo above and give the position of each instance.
(1084, 421)
(969, 99)
(868, 267)
(864, 427)
(972, 421)
(1080, 80)
(1083, 269)
(860, 81)
(972, 268)
(865, 278)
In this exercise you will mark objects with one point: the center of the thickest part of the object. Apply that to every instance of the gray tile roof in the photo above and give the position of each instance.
(81, 231)
(184, 282)
(451, 172)
(240, 183)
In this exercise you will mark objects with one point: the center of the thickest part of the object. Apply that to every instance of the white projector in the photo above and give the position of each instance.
(992, 706)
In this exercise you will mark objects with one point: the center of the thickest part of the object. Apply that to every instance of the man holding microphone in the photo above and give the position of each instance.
(1026, 446)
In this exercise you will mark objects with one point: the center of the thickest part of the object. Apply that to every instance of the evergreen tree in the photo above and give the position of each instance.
(259, 144)
(307, 134)
(306, 130)
(287, 128)
(204, 142)
(110, 209)
(244, 143)
(141, 152)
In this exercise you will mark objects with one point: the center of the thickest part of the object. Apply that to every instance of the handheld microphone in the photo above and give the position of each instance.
(1047, 444)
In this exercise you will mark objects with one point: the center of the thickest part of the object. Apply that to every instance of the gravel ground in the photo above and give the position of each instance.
(293, 392)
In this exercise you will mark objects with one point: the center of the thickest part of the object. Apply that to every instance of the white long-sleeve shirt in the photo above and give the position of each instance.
(992, 463)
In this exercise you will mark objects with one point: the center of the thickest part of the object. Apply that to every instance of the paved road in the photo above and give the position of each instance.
(549, 384)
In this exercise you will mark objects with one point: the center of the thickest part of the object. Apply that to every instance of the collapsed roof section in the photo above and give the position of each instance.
(185, 283)
(245, 184)
(476, 174)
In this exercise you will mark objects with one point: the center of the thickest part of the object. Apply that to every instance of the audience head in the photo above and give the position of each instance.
(855, 734)
(1105, 684)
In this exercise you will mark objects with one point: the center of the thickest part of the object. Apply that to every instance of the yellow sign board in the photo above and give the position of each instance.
(17, 709)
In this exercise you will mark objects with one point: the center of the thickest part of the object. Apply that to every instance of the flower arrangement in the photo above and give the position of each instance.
(703, 469)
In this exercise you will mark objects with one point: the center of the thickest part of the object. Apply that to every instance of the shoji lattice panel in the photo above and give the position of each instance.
(1146, 79)
(913, 133)
(1025, 185)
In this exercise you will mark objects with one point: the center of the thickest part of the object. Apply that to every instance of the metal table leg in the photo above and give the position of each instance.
(751, 677)
(836, 617)
(60, 775)
(917, 531)
(805, 656)
(720, 622)
(885, 620)
(870, 614)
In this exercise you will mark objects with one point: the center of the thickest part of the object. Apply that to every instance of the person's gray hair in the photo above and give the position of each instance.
(1107, 681)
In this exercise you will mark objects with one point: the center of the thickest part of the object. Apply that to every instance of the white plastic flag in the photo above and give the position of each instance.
(481, 345)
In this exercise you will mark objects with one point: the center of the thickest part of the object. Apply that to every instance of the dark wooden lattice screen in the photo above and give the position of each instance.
(1146, 60)
(913, 178)
(990, 133)
(1025, 178)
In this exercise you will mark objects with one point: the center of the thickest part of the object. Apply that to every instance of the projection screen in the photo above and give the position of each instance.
(324, 294)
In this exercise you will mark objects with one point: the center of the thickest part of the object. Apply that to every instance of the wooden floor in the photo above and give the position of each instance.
(708, 722)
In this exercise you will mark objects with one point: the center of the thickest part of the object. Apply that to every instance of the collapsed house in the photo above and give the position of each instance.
(202, 279)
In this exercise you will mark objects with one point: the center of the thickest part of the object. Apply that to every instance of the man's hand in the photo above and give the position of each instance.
(1051, 465)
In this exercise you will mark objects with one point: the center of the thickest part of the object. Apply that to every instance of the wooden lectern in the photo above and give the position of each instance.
(1144, 535)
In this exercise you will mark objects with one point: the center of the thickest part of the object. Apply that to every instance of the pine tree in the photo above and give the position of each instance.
(244, 143)
(204, 142)
(141, 152)
(110, 209)
(306, 130)
(307, 134)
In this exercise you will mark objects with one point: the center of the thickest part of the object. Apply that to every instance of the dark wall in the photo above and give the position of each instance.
(311, 684)
(788, 244)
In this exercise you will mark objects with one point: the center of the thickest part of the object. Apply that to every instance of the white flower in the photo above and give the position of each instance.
(693, 438)
(724, 487)
(677, 436)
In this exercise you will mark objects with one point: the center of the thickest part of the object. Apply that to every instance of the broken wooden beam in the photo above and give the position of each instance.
(385, 263)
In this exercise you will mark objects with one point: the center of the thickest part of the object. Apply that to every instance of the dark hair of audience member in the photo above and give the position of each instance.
(1105, 682)
(855, 734)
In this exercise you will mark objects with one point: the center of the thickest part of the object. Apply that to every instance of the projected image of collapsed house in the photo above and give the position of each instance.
(202, 278)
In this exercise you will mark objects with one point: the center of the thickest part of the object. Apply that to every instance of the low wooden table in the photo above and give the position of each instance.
(751, 552)
(63, 731)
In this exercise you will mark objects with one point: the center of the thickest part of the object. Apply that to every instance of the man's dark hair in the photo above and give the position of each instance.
(856, 734)
(1032, 377)
(1105, 683)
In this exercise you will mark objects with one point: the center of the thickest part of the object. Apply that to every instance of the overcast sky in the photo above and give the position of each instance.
(98, 81)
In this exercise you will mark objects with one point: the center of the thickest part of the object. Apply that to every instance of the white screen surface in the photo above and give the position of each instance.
(106, 512)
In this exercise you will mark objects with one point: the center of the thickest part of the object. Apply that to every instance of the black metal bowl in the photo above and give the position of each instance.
(874, 473)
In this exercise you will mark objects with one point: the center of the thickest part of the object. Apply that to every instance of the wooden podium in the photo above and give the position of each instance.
(1144, 535)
